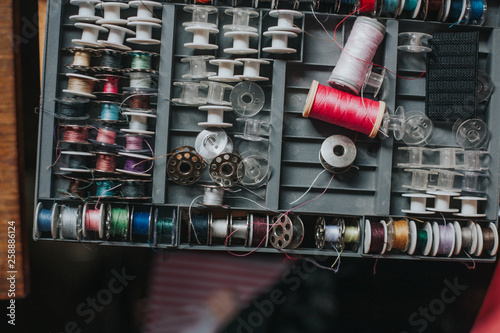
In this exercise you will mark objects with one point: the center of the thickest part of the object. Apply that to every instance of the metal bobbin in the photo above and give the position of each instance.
(185, 166)
(337, 153)
(286, 232)
(54, 224)
(224, 169)
(320, 231)
(239, 229)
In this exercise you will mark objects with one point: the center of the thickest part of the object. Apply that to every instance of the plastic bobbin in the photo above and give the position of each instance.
(254, 169)
(442, 201)
(199, 15)
(373, 81)
(84, 78)
(419, 179)
(54, 220)
(112, 12)
(286, 232)
(279, 42)
(144, 31)
(414, 42)
(90, 34)
(102, 218)
(447, 157)
(201, 36)
(145, 11)
(415, 157)
(471, 133)
(116, 37)
(215, 116)
(190, 93)
(247, 99)
(285, 20)
(395, 123)
(213, 196)
(368, 236)
(418, 129)
(484, 86)
(212, 142)
(86, 10)
(241, 19)
(224, 169)
(445, 180)
(226, 70)
(216, 92)
(241, 42)
(252, 128)
(472, 160)
(470, 181)
(436, 239)
(198, 67)
(337, 153)
(418, 203)
(469, 206)
(185, 166)
(251, 69)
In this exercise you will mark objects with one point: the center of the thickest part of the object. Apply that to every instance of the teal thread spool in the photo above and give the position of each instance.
(164, 228)
(110, 111)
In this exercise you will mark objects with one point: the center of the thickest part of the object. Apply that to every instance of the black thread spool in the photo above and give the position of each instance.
(109, 61)
(72, 108)
(136, 189)
(77, 161)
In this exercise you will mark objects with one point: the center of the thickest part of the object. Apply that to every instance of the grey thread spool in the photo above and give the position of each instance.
(337, 153)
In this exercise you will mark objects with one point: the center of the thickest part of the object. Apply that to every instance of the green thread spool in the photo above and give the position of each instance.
(141, 60)
(164, 229)
(421, 239)
(118, 223)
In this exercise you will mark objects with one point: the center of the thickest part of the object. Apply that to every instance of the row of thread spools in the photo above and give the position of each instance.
(105, 147)
(135, 223)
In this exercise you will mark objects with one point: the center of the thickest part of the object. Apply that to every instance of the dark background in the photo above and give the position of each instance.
(64, 275)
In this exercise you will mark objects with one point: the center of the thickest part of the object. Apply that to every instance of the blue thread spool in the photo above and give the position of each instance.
(140, 224)
(457, 11)
(106, 188)
(47, 220)
(198, 230)
(110, 111)
(164, 228)
(477, 12)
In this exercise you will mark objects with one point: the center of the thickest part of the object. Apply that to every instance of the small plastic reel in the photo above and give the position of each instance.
(415, 157)
(224, 169)
(445, 180)
(226, 70)
(198, 67)
(216, 92)
(419, 179)
(247, 99)
(470, 181)
(254, 169)
(252, 129)
(241, 19)
(285, 20)
(471, 133)
(241, 42)
(373, 81)
(116, 37)
(472, 161)
(418, 129)
(442, 201)
(279, 42)
(484, 86)
(414, 42)
(212, 142)
(286, 232)
(337, 153)
(251, 69)
(418, 203)
(469, 206)
(190, 93)
(395, 123)
(112, 12)
(368, 237)
(89, 34)
(185, 166)
(86, 10)
(145, 11)
(447, 157)
(201, 37)
(199, 15)
(215, 116)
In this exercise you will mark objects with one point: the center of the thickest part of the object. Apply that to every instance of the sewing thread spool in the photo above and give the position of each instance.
(465, 238)
(134, 142)
(139, 101)
(487, 239)
(433, 10)
(413, 7)
(164, 228)
(469, 206)
(337, 153)
(213, 196)
(456, 11)
(117, 222)
(111, 85)
(110, 60)
(116, 37)
(401, 235)
(443, 239)
(375, 237)
(80, 85)
(75, 134)
(420, 238)
(81, 58)
(343, 109)
(356, 58)
(110, 111)
(86, 10)
(239, 229)
(259, 230)
(107, 188)
(77, 187)
(78, 161)
(90, 33)
(352, 236)
(106, 162)
(70, 221)
(286, 232)
(141, 60)
(138, 122)
(141, 79)
(135, 189)
(477, 12)
(199, 229)
(145, 11)
(219, 229)
(327, 233)
(93, 220)
(135, 164)
(47, 220)
(141, 224)
(72, 108)
(368, 7)
(185, 166)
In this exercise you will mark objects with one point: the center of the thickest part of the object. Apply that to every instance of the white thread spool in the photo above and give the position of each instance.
(138, 123)
(116, 36)
(216, 92)
(241, 19)
(442, 201)
(220, 229)
(90, 34)
(86, 10)
(279, 43)
(213, 195)
(80, 85)
(469, 206)
(415, 157)
(215, 116)
(198, 67)
(356, 58)
(145, 10)
(201, 37)
(252, 129)
(418, 203)
(251, 69)
(143, 31)
(199, 16)
(419, 179)
(140, 80)
(241, 42)
(212, 142)
(190, 93)
(285, 20)
(226, 70)
(112, 12)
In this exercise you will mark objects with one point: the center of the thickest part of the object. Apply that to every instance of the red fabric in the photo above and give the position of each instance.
(488, 319)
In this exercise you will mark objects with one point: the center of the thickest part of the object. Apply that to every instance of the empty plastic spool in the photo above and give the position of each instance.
(472, 160)
(199, 16)
(189, 94)
(419, 179)
(252, 128)
(254, 170)
(226, 70)
(116, 36)
(395, 123)
(285, 20)
(279, 43)
(86, 10)
(145, 11)
(471, 133)
(224, 169)
(484, 86)
(247, 99)
(469, 206)
(241, 19)
(337, 153)
(373, 81)
(447, 157)
(445, 180)
(418, 203)
(418, 129)
(414, 42)
(215, 117)
(112, 12)
(251, 69)
(90, 34)
(470, 181)
(217, 92)
(197, 67)
(212, 142)
(415, 157)
(144, 31)
(442, 201)
(241, 42)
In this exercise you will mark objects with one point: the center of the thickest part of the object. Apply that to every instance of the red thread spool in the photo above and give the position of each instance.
(77, 134)
(111, 84)
(367, 7)
(260, 230)
(106, 136)
(92, 219)
(434, 10)
(105, 163)
(139, 102)
(344, 109)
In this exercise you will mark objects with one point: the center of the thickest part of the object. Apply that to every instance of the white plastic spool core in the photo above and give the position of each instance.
(458, 238)
(189, 94)
(198, 67)
(241, 42)
(116, 37)
(144, 31)
(415, 157)
(247, 99)
(469, 206)
(285, 20)
(418, 203)
(86, 10)
(252, 129)
(251, 69)
(226, 70)
(442, 201)
(201, 37)
(279, 42)
(215, 116)
(90, 34)
(212, 142)
(112, 12)
(414, 42)
(217, 92)
(241, 19)
(145, 11)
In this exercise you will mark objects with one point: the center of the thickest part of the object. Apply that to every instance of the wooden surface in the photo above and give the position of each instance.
(42, 13)
(9, 163)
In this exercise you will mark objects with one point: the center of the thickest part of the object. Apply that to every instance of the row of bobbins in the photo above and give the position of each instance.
(106, 221)
(430, 239)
